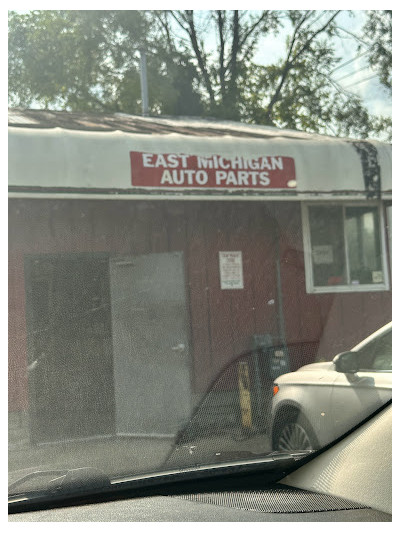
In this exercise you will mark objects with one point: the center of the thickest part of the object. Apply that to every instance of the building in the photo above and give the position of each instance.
(134, 239)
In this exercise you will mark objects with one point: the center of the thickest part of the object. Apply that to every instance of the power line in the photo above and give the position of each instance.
(352, 35)
(361, 81)
(348, 62)
(352, 73)
(315, 20)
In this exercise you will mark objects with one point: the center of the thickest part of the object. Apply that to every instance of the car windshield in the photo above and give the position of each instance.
(199, 238)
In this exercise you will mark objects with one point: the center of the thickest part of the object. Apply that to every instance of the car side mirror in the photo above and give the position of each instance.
(346, 362)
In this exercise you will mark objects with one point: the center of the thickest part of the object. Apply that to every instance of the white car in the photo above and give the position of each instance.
(321, 401)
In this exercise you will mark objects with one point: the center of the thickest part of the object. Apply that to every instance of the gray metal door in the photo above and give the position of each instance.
(150, 344)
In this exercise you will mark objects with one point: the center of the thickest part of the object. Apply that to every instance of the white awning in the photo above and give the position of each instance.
(59, 162)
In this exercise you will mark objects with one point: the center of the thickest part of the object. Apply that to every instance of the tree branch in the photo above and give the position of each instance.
(201, 60)
(291, 60)
(165, 26)
(234, 50)
(221, 23)
(320, 30)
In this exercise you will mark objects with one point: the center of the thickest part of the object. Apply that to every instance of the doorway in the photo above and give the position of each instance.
(70, 370)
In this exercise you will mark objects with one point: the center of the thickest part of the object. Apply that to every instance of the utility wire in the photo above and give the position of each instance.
(352, 73)
(348, 62)
(361, 81)
(315, 20)
(352, 35)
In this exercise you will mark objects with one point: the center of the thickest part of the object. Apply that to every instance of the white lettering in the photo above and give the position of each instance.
(189, 174)
(237, 163)
(264, 179)
(243, 178)
(204, 162)
(147, 160)
(178, 180)
(265, 163)
(253, 177)
(167, 178)
(201, 177)
(172, 160)
(277, 163)
(222, 164)
(231, 178)
(253, 164)
(220, 175)
(160, 161)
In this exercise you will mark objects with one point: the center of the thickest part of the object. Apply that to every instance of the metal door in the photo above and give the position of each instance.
(150, 344)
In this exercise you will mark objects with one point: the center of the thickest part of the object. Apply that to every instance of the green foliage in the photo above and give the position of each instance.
(89, 61)
(378, 35)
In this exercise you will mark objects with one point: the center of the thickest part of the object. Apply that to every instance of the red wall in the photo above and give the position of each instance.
(222, 321)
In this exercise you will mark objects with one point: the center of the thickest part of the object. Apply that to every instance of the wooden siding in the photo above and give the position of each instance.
(222, 321)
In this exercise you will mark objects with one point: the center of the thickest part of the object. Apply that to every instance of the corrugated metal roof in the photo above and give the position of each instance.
(44, 119)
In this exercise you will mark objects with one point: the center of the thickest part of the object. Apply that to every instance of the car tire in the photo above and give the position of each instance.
(294, 433)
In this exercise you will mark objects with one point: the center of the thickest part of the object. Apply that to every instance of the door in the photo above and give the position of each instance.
(150, 344)
(69, 347)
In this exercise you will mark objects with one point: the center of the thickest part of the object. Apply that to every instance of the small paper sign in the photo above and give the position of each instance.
(322, 255)
(231, 270)
(377, 276)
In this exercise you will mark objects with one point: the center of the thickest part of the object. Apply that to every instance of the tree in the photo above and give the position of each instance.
(299, 92)
(88, 60)
(377, 33)
(199, 63)
(237, 35)
(296, 92)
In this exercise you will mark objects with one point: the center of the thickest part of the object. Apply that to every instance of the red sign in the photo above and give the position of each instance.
(168, 171)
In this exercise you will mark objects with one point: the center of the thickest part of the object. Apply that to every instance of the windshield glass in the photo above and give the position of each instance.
(199, 236)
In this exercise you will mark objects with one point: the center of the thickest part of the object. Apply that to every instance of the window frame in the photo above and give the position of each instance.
(308, 265)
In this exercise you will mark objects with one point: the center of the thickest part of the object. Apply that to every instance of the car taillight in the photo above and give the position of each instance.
(276, 388)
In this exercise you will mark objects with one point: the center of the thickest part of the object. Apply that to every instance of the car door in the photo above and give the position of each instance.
(357, 395)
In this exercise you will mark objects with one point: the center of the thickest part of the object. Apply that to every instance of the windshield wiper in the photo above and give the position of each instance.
(91, 484)
(66, 481)
(274, 465)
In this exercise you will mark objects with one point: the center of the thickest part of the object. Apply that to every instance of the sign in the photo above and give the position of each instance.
(322, 254)
(231, 270)
(377, 276)
(179, 171)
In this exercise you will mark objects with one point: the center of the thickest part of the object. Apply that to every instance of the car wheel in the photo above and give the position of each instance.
(294, 435)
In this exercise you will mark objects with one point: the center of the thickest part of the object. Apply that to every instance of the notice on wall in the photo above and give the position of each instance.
(377, 276)
(180, 171)
(323, 254)
(231, 270)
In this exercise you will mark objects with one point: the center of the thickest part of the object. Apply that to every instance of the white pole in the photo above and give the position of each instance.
(143, 83)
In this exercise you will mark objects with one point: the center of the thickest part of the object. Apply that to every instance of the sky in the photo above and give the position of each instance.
(355, 76)
(352, 73)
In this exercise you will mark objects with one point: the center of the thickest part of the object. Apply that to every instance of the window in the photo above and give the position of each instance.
(344, 248)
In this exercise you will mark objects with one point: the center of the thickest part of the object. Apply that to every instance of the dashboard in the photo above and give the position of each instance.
(349, 482)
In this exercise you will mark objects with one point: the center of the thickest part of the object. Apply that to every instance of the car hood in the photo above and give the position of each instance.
(312, 374)
(326, 365)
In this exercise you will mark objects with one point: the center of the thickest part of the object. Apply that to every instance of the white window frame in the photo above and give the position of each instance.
(309, 273)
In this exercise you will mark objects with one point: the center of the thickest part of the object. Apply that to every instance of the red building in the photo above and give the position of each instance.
(132, 240)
